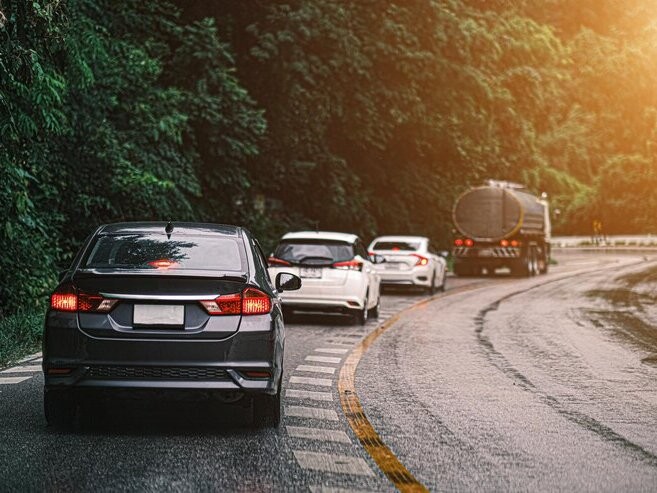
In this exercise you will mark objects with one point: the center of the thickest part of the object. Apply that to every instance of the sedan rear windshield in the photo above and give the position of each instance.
(314, 252)
(408, 246)
(152, 252)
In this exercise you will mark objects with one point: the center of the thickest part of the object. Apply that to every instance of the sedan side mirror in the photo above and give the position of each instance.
(287, 282)
(377, 259)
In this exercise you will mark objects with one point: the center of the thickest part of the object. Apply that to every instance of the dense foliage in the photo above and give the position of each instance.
(366, 116)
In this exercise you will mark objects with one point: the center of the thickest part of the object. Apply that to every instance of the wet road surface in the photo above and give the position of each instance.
(547, 383)
(519, 388)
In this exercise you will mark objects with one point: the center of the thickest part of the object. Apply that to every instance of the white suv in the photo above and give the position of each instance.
(410, 260)
(336, 271)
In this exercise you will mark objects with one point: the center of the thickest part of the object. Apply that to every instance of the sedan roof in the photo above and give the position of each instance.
(320, 235)
(179, 228)
(400, 238)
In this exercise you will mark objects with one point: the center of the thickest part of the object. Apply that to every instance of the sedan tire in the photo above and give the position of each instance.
(267, 409)
(60, 409)
(432, 287)
(361, 314)
(374, 312)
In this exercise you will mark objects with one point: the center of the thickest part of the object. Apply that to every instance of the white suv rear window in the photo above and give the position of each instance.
(314, 251)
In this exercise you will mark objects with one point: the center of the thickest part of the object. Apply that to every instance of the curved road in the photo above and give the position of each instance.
(547, 383)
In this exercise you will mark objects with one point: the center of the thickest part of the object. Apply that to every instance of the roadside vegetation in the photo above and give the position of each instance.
(368, 117)
(20, 334)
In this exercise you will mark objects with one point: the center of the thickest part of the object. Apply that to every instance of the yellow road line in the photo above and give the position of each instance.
(384, 457)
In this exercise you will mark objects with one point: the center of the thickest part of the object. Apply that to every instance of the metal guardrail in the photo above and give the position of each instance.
(616, 242)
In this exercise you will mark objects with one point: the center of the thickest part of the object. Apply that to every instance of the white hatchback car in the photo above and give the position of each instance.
(338, 275)
(411, 261)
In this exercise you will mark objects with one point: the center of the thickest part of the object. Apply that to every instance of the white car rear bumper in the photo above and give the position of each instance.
(418, 276)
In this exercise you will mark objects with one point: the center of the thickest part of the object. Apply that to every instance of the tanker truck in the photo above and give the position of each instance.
(501, 224)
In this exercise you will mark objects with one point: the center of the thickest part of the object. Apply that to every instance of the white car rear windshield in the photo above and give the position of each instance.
(314, 251)
(149, 251)
(408, 246)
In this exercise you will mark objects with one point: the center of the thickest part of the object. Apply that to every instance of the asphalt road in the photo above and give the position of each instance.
(547, 383)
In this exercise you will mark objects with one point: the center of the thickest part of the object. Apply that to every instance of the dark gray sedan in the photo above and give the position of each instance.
(151, 308)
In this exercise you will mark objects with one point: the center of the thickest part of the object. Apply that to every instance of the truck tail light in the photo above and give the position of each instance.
(273, 262)
(349, 265)
(251, 301)
(468, 242)
(458, 242)
(516, 243)
(420, 259)
(504, 243)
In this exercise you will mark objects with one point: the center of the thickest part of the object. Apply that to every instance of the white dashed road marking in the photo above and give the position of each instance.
(22, 369)
(332, 350)
(323, 359)
(12, 380)
(311, 412)
(343, 342)
(316, 369)
(329, 489)
(318, 434)
(341, 464)
(307, 394)
(30, 358)
(320, 382)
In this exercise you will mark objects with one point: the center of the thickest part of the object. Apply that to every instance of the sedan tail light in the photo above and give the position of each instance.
(420, 259)
(349, 265)
(273, 261)
(255, 302)
(227, 304)
(68, 299)
(64, 302)
(251, 301)
(95, 303)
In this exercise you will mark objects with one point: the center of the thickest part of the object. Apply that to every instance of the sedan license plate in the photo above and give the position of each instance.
(161, 315)
(392, 265)
(310, 272)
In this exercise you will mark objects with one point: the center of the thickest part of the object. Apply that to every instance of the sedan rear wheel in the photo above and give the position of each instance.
(374, 312)
(267, 408)
(361, 315)
(60, 409)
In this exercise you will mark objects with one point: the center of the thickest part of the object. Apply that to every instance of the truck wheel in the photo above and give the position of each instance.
(536, 263)
(543, 267)
(521, 267)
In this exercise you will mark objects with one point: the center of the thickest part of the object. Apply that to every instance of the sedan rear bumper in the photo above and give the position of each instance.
(73, 359)
(418, 276)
